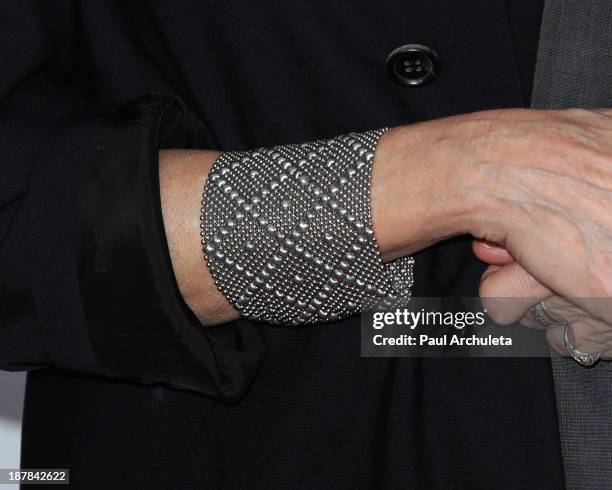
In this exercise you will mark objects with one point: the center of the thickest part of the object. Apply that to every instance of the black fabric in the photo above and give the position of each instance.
(138, 324)
(525, 18)
(111, 434)
(45, 129)
(255, 73)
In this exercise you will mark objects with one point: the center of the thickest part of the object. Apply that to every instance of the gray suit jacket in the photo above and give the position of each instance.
(574, 69)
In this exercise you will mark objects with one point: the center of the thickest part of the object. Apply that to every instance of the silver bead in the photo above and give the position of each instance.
(260, 230)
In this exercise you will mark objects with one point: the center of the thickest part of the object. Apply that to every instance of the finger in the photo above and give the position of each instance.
(590, 335)
(585, 335)
(554, 337)
(558, 308)
(491, 253)
(508, 292)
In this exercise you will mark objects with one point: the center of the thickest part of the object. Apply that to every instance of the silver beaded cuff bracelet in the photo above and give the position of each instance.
(287, 235)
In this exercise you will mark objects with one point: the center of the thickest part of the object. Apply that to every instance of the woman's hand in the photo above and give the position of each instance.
(537, 182)
(509, 292)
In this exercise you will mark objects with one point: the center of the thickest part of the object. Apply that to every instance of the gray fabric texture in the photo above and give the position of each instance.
(574, 69)
(574, 66)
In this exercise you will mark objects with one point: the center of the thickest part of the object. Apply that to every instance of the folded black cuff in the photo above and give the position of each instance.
(139, 326)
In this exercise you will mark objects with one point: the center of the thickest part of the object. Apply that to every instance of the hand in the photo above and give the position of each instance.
(537, 182)
(509, 292)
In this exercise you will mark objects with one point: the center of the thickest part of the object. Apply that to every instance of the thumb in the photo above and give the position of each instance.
(491, 253)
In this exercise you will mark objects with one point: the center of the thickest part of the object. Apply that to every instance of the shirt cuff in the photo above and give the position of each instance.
(138, 325)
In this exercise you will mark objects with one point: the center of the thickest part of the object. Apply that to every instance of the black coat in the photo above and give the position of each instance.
(126, 389)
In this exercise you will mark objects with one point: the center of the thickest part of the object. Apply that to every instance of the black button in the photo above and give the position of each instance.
(412, 64)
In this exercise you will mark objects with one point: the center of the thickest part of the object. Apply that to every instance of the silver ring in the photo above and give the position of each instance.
(582, 358)
(543, 316)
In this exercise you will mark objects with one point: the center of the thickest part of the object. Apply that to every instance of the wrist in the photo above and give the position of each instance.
(181, 175)
(420, 193)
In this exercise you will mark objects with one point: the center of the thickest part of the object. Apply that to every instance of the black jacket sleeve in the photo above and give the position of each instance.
(86, 282)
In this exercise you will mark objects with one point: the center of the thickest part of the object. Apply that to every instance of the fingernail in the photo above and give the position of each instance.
(488, 244)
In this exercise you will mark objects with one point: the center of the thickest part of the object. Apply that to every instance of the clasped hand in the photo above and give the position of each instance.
(538, 183)
(568, 206)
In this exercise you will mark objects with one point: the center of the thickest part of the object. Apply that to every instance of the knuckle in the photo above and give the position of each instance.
(584, 337)
(499, 310)
(587, 337)
(554, 337)
(486, 288)
(498, 316)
